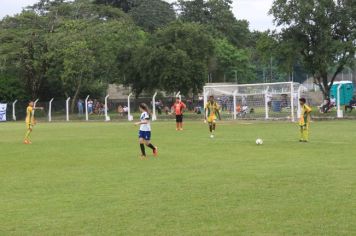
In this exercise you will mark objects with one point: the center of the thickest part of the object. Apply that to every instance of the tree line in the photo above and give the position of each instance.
(59, 48)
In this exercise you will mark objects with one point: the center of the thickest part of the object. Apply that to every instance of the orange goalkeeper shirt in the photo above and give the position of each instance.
(179, 107)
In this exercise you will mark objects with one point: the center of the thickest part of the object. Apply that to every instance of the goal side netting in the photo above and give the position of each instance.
(256, 101)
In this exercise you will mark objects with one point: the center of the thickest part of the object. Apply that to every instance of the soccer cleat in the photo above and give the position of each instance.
(142, 158)
(155, 152)
(181, 129)
(212, 136)
(26, 142)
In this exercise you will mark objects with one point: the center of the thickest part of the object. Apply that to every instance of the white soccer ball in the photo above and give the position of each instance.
(259, 141)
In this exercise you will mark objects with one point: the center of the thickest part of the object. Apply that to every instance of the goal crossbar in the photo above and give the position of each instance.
(273, 96)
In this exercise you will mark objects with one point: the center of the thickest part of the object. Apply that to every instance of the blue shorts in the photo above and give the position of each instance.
(146, 135)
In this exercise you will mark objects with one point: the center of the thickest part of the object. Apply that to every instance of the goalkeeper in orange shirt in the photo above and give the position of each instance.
(30, 120)
(304, 121)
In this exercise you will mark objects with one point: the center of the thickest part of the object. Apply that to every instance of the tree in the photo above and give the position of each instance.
(152, 14)
(23, 50)
(78, 63)
(11, 88)
(322, 32)
(218, 15)
(171, 60)
(267, 52)
(233, 61)
(125, 5)
(105, 29)
(194, 11)
(102, 40)
(33, 46)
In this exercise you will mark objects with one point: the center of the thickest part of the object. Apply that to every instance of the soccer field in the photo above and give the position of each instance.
(87, 179)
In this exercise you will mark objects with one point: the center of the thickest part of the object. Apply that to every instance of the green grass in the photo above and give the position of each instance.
(86, 179)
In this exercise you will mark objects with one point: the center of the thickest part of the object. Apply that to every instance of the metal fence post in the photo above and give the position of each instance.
(235, 112)
(266, 103)
(292, 101)
(339, 111)
(13, 110)
(86, 108)
(50, 110)
(67, 109)
(129, 116)
(107, 118)
(154, 116)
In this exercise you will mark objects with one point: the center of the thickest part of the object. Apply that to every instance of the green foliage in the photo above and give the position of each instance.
(321, 32)
(125, 5)
(146, 45)
(11, 88)
(231, 60)
(152, 14)
(276, 58)
(78, 63)
(219, 16)
(269, 56)
(23, 50)
(171, 60)
(34, 46)
(266, 46)
(98, 41)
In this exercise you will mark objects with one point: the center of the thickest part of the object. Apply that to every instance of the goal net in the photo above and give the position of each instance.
(256, 101)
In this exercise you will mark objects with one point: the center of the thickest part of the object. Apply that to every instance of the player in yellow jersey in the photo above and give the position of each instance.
(304, 121)
(211, 114)
(30, 120)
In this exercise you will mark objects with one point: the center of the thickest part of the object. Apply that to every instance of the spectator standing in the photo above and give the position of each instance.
(126, 110)
(269, 100)
(80, 107)
(120, 110)
(224, 100)
(90, 106)
(332, 101)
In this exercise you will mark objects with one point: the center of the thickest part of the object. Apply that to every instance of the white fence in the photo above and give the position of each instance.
(271, 101)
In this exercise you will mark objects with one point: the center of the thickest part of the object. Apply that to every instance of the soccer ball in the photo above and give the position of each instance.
(259, 141)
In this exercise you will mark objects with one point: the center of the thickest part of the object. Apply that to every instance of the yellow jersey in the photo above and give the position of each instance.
(211, 109)
(29, 118)
(305, 115)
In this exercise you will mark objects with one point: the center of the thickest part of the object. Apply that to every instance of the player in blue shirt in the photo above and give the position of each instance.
(145, 131)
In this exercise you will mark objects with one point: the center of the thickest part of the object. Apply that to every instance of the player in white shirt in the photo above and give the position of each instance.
(145, 131)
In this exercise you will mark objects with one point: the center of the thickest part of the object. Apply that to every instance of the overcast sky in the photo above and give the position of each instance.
(255, 11)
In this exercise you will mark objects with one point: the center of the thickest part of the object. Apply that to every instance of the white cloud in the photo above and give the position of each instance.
(255, 11)
(12, 7)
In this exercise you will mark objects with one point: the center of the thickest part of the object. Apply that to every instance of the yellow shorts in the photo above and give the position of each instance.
(304, 126)
(211, 119)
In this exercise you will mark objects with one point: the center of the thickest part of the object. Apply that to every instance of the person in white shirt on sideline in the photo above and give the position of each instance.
(332, 101)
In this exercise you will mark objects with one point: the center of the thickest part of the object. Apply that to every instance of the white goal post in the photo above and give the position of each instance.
(256, 101)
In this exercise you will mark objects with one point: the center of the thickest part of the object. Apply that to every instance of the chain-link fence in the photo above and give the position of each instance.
(256, 106)
(329, 108)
